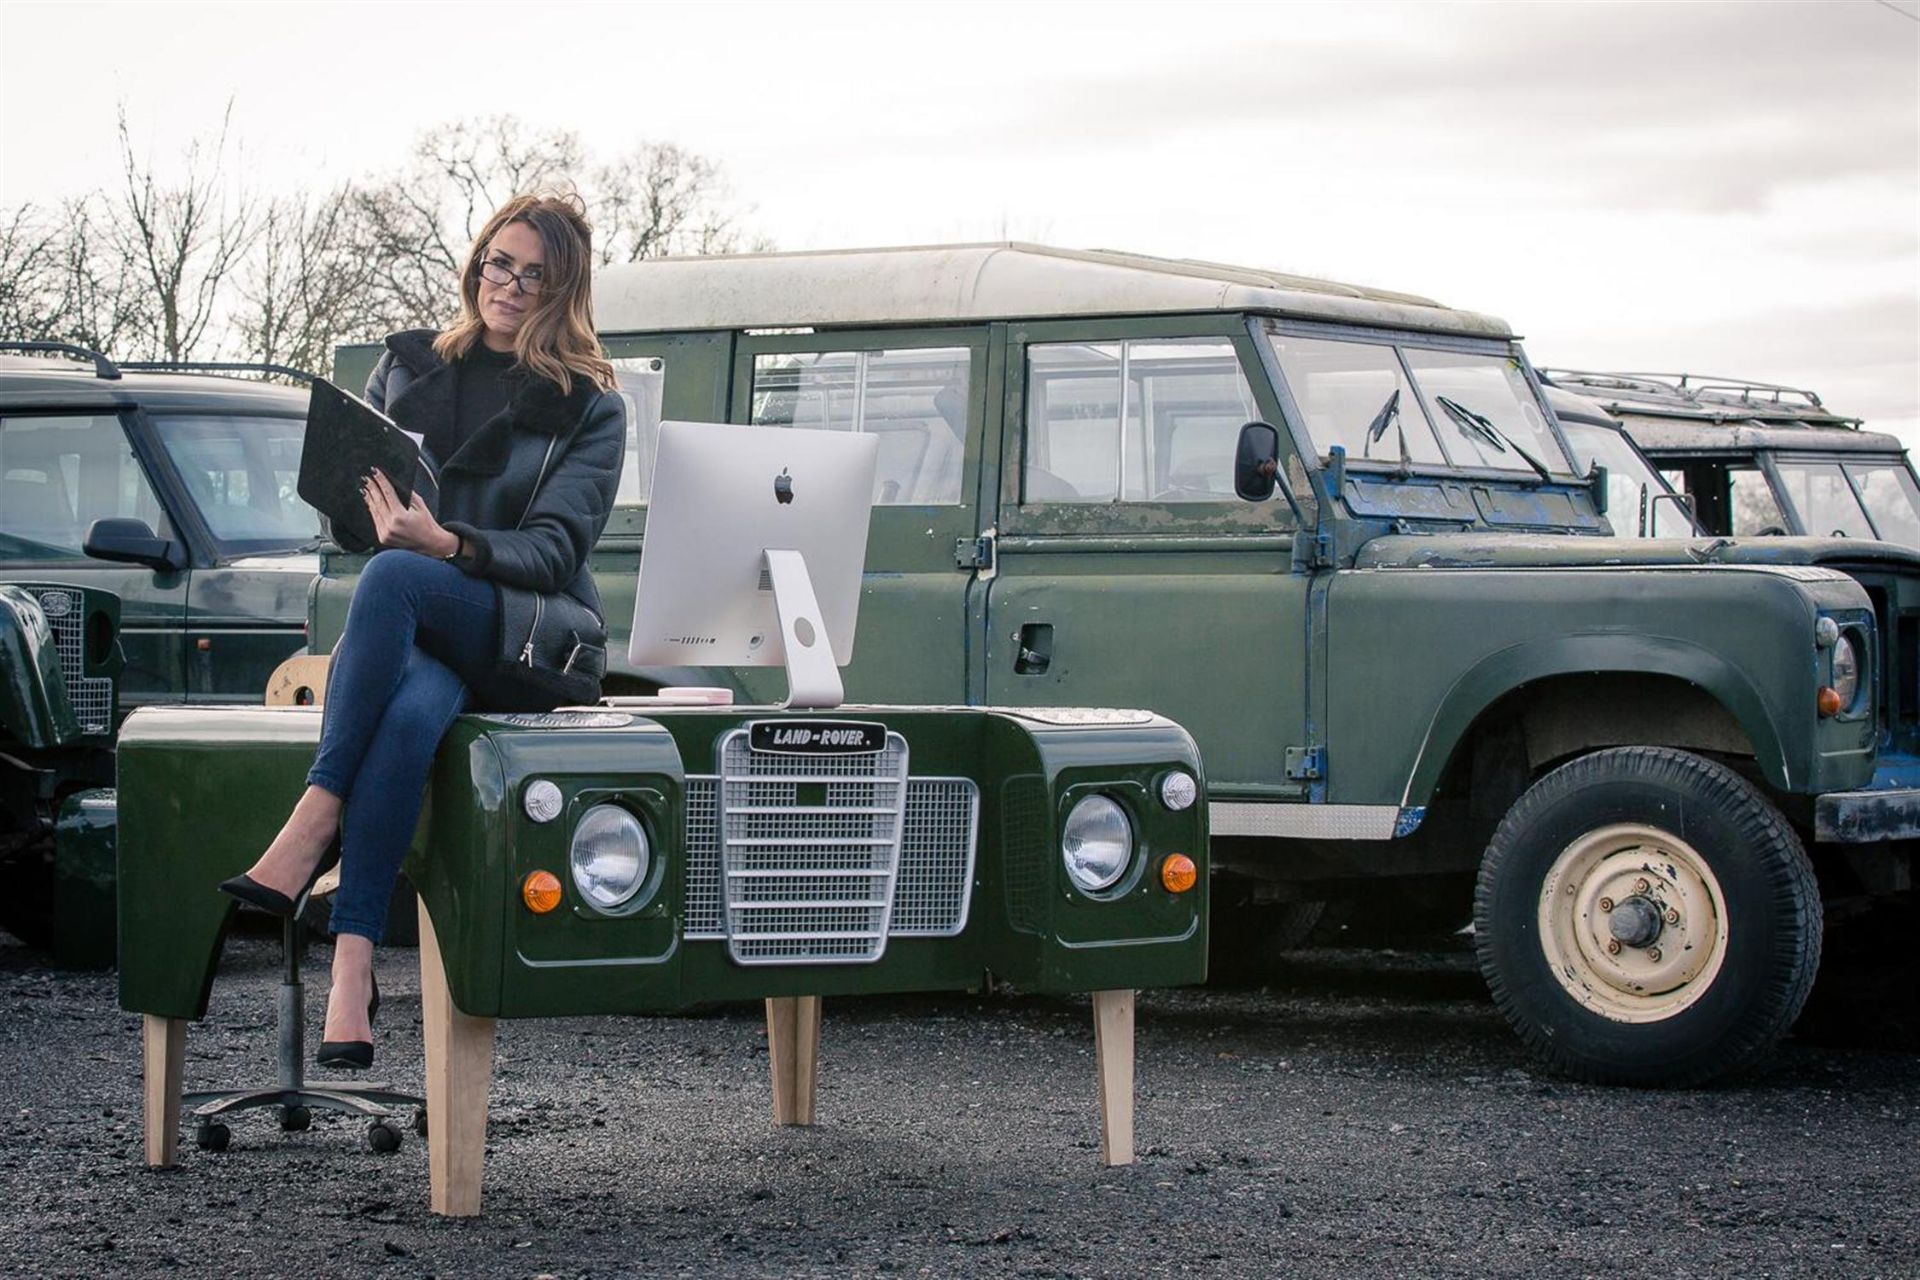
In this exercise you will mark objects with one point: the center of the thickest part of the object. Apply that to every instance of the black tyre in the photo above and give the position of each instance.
(212, 1137)
(26, 905)
(383, 1136)
(1251, 942)
(420, 1121)
(1645, 916)
(296, 1119)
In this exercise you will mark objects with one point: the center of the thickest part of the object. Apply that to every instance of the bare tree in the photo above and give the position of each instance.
(662, 199)
(183, 268)
(420, 223)
(30, 270)
(101, 302)
(657, 199)
(182, 241)
(309, 283)
(60, 278)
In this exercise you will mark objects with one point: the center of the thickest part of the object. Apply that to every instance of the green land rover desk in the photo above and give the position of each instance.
(784, 856)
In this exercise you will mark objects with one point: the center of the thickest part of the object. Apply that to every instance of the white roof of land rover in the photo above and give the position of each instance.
(973, 282)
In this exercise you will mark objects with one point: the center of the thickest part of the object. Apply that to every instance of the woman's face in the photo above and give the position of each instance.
(505, 307)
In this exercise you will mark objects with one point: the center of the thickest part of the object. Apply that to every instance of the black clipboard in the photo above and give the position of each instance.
(347, 439)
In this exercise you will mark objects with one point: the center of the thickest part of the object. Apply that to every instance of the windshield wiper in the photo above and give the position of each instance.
(1389, 415)
(1478, 425)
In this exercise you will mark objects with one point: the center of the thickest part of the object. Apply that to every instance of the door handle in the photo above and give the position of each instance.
(1036, 649)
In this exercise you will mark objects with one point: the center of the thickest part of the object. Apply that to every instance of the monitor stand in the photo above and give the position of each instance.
(813, 678)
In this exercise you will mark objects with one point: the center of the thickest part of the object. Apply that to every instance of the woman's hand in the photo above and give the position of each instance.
(408, 527)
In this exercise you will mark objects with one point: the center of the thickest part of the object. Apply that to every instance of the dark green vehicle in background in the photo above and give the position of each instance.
(150, 532)
(1756, 459)
(1419, 659)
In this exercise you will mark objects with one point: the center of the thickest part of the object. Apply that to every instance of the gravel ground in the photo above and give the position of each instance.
(1365, 1114)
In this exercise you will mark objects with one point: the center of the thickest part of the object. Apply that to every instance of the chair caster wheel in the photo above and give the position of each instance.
(212, 1136)
(383, 1136)
(296, 1119)
(420, 1121)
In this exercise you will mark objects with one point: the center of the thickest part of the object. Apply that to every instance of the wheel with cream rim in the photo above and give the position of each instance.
(1646, 916)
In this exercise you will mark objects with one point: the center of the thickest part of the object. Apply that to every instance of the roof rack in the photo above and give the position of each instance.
(102, 367)
(216, 366)
(1700, 390)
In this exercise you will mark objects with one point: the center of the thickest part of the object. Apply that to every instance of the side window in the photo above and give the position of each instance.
(1136, 421)
(1754, 507)
(642, 382)
(60, 474)
(914, 399)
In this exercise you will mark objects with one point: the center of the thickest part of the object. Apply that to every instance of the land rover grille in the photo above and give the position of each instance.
(91, 697)
(820, 858)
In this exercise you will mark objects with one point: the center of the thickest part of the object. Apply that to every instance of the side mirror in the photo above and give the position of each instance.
(132, 542)
(1597, 485)
(1256, 461)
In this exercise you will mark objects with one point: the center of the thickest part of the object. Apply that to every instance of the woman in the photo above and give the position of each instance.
(522, 441)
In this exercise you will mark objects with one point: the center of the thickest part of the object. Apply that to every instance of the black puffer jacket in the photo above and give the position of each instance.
(483, 491)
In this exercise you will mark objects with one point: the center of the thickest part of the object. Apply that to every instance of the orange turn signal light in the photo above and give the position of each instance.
(541, 892)
(1827, 701)
(1178, 873)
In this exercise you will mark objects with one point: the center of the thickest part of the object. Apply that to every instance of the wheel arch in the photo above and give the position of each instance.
(1581, 693)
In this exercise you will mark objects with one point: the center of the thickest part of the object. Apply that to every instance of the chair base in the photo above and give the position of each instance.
(296, 1098)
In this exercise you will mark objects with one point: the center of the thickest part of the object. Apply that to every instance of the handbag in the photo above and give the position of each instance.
(552, 652)
(551, 649)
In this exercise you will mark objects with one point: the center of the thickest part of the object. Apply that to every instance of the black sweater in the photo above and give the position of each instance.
(480, 391)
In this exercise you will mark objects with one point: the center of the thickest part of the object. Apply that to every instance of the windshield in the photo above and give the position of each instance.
(1892, 498)
(1629, 479)
(241, 473)
(1483, 399)
(1342, 389)
(1382, 403)
(1819, 492)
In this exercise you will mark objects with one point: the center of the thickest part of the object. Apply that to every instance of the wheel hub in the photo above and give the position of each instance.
(1633, 922)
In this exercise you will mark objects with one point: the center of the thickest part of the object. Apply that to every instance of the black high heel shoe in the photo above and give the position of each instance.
(272, 901)
(354, 1055)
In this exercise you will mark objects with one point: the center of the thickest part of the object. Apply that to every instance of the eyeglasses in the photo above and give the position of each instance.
(501, 274)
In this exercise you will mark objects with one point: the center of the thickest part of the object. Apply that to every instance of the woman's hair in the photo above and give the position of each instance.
(557, 340)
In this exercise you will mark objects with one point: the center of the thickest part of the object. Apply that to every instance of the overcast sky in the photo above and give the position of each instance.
(1729, 188)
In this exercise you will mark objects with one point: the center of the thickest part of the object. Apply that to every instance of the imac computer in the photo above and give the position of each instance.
(756, 539)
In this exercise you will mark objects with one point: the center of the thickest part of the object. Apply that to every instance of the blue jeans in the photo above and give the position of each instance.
(419, 633)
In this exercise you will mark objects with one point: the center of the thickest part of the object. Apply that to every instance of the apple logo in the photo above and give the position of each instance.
(783, 487)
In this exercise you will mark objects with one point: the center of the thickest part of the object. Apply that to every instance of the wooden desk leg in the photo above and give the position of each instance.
(1113, 1047)
(793, 1054)
(459, 1070)
(163, 1044)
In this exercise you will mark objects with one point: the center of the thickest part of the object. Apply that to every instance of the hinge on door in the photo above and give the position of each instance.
(974, 553)
(1306, 764)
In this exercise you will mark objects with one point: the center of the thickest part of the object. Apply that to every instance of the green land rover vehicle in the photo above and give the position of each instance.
(152, 551)
(1420, 657)
(1759, 459)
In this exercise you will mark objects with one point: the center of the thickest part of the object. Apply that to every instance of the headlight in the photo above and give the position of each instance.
(1097, 843)
(609, 856)
(1846, 670)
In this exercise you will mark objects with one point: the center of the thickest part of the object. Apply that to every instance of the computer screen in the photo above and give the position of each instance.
(723, 497)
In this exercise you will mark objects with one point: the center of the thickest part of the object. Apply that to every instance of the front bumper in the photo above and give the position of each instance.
(1865, 817)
